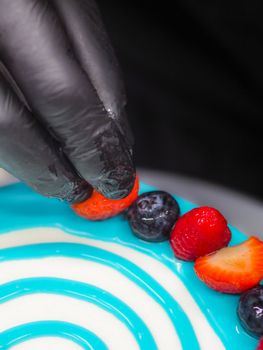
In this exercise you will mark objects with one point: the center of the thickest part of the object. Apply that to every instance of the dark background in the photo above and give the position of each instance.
(194, 80)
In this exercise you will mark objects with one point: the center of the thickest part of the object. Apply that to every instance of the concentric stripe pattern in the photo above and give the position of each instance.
(95, 286)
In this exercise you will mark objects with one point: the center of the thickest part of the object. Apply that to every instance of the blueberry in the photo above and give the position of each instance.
(153, 215)
(250, 311)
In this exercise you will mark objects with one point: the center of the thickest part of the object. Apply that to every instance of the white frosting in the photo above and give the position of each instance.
(106, 278)
(39, 307)
(50, 343)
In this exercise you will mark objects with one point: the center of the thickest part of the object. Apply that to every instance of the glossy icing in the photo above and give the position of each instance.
(84, 281)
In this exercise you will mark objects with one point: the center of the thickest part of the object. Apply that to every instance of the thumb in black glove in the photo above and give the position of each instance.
(62, 118)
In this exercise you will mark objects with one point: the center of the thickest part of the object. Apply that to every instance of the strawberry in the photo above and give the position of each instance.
(260, 345)
(233, 269)
(98, 207)
(199, 232)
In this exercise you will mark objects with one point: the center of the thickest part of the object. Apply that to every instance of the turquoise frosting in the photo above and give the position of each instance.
(79, 335)
(130, 270)
(84, 292)
(20, 208)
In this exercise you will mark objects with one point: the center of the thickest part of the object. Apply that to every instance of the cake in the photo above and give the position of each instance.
(69, 283)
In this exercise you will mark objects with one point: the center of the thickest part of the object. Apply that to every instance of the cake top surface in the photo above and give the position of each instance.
(125, 275)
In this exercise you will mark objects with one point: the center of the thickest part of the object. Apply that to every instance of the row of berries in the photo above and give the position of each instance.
(202, 236)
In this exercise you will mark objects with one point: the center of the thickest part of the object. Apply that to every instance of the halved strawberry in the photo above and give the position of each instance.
(232, 269)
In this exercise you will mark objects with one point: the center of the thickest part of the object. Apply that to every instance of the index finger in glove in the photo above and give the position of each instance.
(91, 45)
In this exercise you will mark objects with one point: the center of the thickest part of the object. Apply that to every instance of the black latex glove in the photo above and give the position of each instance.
(62, 118)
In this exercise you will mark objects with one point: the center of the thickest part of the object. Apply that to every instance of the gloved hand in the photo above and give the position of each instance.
(62, 117)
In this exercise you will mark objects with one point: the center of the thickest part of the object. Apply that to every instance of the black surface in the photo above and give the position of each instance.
(194, 79)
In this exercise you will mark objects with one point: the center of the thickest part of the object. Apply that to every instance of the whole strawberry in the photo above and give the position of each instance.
(260, 345)
(98, 207)
(199, 232)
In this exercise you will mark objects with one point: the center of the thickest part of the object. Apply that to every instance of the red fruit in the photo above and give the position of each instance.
(260, 345)
(199, 232)
(98, 207)
(233, 269)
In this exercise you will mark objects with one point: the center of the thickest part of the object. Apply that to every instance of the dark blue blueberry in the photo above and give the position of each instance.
(250, 311)
(153, 215)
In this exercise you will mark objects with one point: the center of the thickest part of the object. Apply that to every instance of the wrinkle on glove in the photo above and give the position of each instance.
(29, 153)
(67, 109)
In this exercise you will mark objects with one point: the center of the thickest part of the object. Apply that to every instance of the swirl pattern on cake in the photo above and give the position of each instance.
(73, 284)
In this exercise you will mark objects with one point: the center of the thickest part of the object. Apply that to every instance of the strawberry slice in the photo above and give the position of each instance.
(232, 269)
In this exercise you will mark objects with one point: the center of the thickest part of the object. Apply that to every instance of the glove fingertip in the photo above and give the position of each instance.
(118, 183)
(82, 190)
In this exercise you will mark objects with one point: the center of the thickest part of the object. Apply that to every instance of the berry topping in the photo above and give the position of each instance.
(250, 311)
(199, 232)
(260, 345)
(233, 269)
(98, 207)
(153, 215)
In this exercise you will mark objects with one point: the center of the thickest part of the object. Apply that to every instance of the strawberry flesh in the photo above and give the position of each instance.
(233, 269)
